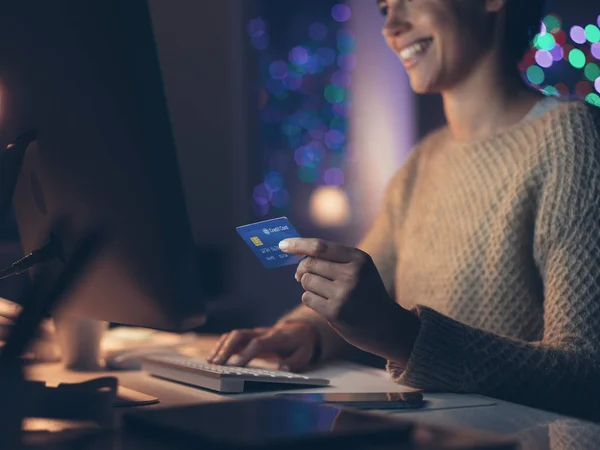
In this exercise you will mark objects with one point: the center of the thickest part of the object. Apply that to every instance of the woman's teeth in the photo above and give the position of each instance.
(415, 49)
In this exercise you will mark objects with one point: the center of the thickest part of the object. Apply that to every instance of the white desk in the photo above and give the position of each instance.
(535, 429)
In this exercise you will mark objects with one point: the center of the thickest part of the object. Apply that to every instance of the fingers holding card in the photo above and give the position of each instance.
(264, 238)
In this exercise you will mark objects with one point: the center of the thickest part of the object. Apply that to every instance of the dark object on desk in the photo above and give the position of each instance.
(104, 154)
(264, 423)
(283, 424)
(388, 401)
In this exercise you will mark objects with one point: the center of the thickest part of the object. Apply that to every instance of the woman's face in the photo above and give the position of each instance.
(439, 42)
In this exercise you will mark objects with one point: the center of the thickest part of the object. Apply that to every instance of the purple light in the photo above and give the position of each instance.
(299, 55)
(347, 62)
(278, 70)
(261, 42)
(257, 27)
(544, 58)
(596, 50)
(341, 13)
(557, 53)
(597, 84)
(273, 181)
(334, 139)
(334, 177)
(341, 78)
(599, 21)
(280, 198)
(293, 82)
(318, 31)
(578, 35)
(308, 156)
(261, 195)
(543, 29)
(341, 109)
(314, 65)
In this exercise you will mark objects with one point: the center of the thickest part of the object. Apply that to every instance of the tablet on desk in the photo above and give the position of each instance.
(265, 423)
(367, 400)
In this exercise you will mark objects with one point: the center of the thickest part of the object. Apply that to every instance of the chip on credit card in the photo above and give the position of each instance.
(264, 238)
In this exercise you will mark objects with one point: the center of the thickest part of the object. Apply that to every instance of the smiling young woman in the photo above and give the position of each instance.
(482, 272)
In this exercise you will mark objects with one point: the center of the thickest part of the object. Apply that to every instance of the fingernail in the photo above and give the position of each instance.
(236, 361)
(284, 245)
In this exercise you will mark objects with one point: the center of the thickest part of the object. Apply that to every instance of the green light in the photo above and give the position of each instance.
(577, 58)
(535, 75)
(551, 91)
(552, 23)
(335, 94)
(308, 175)
(346, 44)
(544, 42)
(594, 99)
(592, 71)
(592, 33)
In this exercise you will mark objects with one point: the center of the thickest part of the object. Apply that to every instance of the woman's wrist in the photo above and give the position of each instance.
(401, 329)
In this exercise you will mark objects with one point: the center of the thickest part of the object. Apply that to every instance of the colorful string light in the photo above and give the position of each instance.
(553, 47)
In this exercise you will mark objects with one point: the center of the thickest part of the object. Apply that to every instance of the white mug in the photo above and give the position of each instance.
(80, 342)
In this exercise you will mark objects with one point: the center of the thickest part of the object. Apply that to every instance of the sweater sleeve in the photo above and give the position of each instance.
(378, 243)
(561, 371)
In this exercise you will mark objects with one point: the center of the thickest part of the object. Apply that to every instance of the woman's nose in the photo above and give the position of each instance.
(397, 22)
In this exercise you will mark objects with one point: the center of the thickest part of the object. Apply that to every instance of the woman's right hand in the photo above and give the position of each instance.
(294, 343)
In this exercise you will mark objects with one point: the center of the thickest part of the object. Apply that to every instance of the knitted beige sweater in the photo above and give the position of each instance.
(495, 245)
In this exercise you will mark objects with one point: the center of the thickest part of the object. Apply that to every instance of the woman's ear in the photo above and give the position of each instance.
(495, 6)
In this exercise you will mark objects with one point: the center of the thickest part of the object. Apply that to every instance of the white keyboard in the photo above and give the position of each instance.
(228, 379)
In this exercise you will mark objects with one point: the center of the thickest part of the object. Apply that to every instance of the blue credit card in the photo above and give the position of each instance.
(264, 238)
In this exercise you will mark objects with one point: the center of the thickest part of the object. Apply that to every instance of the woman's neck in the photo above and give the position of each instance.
(492, 98)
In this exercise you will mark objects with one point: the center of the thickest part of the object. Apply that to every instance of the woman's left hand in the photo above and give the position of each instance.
(343, 286)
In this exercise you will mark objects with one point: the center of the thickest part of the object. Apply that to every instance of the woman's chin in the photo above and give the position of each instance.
(423, 86)
(422, 81)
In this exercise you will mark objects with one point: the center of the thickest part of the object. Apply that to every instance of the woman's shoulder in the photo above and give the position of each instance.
(570, 131)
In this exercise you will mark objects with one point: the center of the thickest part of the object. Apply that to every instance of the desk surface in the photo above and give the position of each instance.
(533, 428)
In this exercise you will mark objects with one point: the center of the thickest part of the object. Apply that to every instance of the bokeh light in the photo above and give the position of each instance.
(341, 13)
(545, 42)
(329, 207)
(592, 33)
(552, 23)
(597, 84)
(334, 177)
(578, 34)
(577, 58)
(596, 50)
(557, 53)
(535, 75)
(594, 99)
(583, 89)
(592, 71)
(544, 58)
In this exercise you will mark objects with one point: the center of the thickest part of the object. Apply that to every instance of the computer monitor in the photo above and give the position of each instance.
(85, 75)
